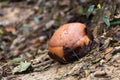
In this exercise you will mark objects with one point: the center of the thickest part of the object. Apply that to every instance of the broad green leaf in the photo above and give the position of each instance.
(1, 31)
(115, 22)
(22, 67)
(106, 20)
(89, 11)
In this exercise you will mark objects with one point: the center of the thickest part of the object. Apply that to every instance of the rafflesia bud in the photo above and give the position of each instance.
(70, 42)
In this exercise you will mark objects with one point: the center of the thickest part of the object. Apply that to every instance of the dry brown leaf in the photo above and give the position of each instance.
(95, 31)
(9, 29)
(108, 57)
(107, 50)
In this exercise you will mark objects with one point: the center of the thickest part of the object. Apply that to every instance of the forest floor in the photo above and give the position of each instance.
(25, 30)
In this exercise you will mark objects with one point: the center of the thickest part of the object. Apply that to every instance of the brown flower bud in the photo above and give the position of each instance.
(70, 42)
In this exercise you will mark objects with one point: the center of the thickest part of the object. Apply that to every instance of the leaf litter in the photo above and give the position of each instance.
(26, 28)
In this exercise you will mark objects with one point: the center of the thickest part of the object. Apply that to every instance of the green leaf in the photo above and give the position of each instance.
(80, 10)
(4, 3)
(37, 19)
(96, 60)
(22, 67)
(16, 60)
(115, 22)
(1, 31)
(89, 11)
(106, 20)
(25, 25)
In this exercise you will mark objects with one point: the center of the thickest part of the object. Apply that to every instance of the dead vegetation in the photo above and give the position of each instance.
(27, 25)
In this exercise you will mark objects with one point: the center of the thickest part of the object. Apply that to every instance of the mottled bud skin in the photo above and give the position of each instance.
(70, 42)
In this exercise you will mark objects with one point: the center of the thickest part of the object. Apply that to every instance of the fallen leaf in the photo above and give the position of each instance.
(100, 73)
(37, 19)
(4, 3)
(89, 11)
(16, 60)
(96, 60)
(1, 31)
(115, 22)
(108, 50)
(106, 20)
(80, 10)
(108, 57)
(22, 67)
(10, 29)
(95, 31)
(99, 6)
(49, 24)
